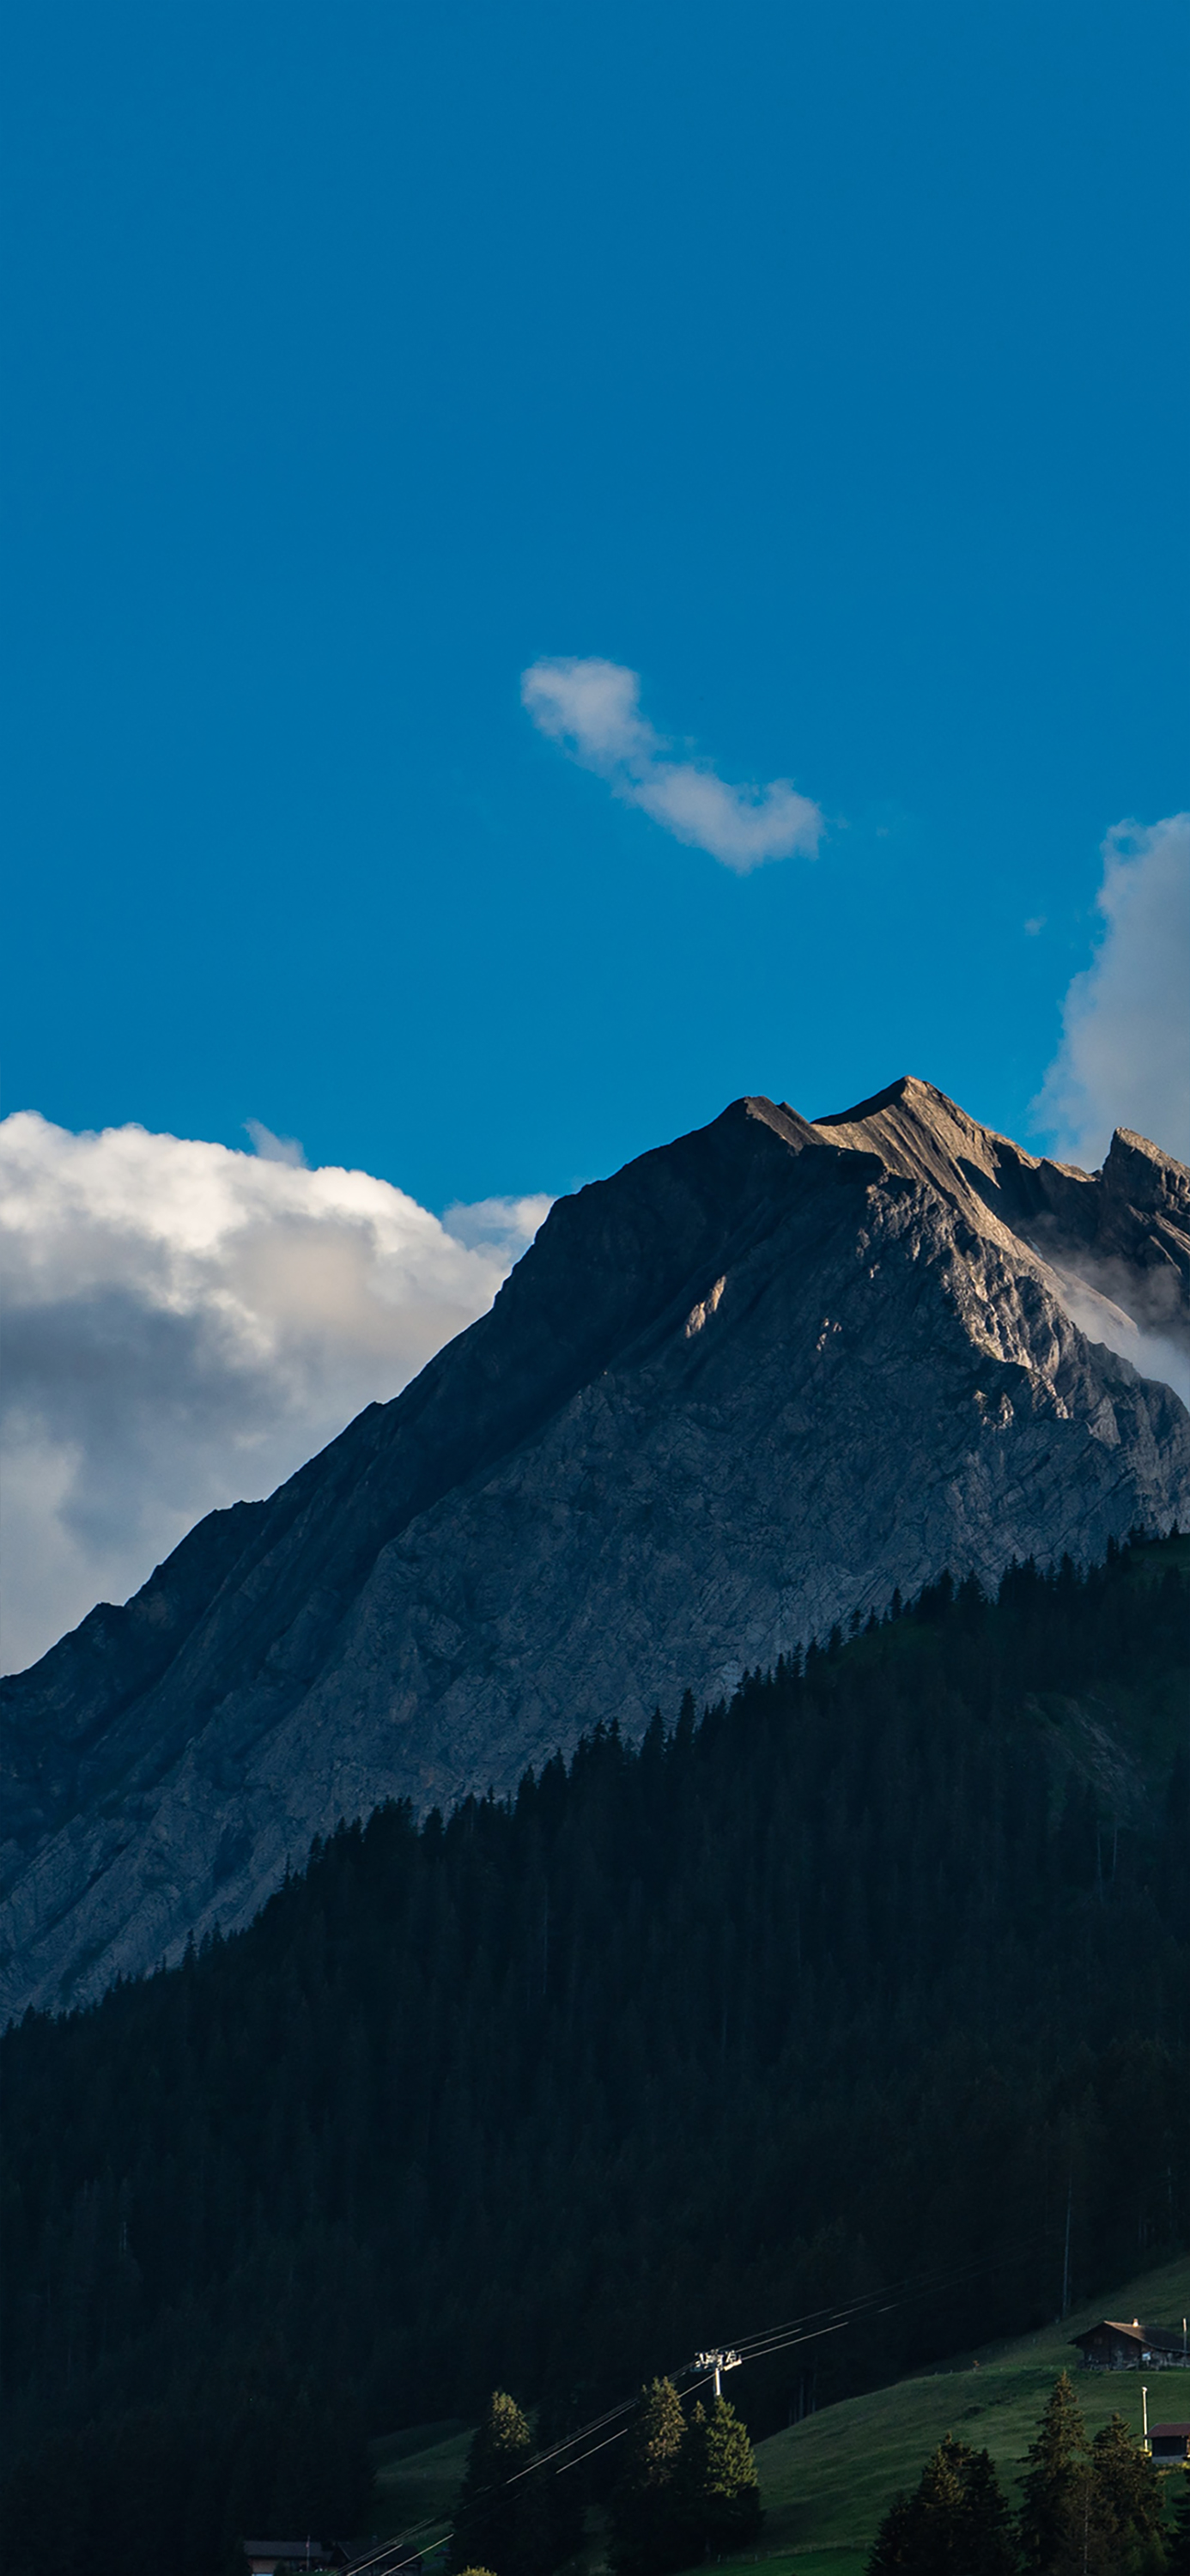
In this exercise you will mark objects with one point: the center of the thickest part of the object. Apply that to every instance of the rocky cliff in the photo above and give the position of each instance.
(744, 1387)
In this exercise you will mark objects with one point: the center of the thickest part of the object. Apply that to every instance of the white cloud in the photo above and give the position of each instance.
(1124, 1060)
(592, 708)
(1140, 1313)
(184, 1326)
(274, 1149)
(496, 1223)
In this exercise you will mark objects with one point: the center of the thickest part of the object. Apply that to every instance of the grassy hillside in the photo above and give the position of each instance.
(418, 2475)
(827, 2482)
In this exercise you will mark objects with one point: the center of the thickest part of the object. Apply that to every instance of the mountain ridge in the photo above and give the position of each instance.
(744, 1385)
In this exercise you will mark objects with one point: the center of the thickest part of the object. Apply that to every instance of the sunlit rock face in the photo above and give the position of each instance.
(729, 1396)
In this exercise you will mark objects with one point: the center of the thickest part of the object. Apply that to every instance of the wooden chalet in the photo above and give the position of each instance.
(1113, 2345)
(1170, 2445)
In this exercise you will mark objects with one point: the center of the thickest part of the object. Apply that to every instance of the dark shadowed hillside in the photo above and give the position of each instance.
(881, 1969)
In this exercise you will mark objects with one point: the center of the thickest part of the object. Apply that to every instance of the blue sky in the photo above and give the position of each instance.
(819, 364)
(477, 477)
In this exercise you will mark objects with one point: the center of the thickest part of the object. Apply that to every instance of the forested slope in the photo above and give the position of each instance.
(882, 1969)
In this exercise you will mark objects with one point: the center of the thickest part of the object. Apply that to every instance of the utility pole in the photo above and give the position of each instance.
(718, 2361)
(1144, 2412)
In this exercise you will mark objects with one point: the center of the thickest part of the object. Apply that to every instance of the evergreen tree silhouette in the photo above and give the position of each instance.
(646, 2533)
(1056, 2509)
(485, 2528)
(956, 2523)
(717, 2489)
(548, 2525)
(990, 2540)
(1126, 2500)
(1177, 2556)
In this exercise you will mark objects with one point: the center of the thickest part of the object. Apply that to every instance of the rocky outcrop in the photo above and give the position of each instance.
(744, 1387)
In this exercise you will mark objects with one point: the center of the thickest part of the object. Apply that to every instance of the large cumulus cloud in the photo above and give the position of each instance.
(1124, 1060)
(184, 1325)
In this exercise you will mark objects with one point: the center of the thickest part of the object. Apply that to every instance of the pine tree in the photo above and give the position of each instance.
(1126, 2499)
(1177, 2558)
(923, 2533)
(485, 2531)
(991, 2545)
(892, 2547)
(718, 2492)
(549, 2523)
(646, 2536)
(1055, 2512)
(955, 2524)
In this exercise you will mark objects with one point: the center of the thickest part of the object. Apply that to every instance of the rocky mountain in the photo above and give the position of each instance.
(736, 1392)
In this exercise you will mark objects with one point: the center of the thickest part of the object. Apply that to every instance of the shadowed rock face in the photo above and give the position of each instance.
(744, 1387)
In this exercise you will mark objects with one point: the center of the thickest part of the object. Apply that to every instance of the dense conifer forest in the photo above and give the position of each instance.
(877, 1974)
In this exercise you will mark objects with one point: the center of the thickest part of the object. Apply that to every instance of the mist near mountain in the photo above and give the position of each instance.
(748, 1385)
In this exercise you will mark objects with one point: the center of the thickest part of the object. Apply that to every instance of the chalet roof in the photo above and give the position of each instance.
(1134, 2333)
(1169, 2432)
(1160, 2343)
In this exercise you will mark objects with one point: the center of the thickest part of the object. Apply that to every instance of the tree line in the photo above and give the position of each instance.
(870, 1975)
(1087, 2509)
(687, 2490)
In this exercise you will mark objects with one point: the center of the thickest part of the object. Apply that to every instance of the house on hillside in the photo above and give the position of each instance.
(1170, 2445)
(1112, 2345)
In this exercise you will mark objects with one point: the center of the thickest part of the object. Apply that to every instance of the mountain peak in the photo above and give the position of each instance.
(732, 1393)
(918, 1131)
(1149, 1177)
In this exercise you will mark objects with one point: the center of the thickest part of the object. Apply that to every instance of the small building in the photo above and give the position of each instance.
(1170, 2445)
(1115, 2345)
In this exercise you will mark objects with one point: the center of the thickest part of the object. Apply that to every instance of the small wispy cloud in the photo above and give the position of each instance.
(1124, 1060)
(274, 1149)
(592, 710)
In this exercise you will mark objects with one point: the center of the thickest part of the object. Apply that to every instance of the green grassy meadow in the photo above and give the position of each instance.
(418, 2475)
(827, 2482)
